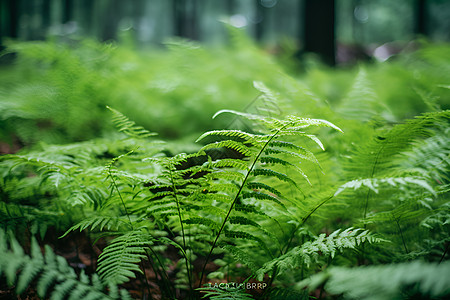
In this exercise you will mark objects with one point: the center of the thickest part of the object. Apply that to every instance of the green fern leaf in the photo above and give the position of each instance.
(262, 186)
(100, 222)
(271, 173)
(51, 272)
(322, 246)
(374, 183)
(121, 258)
(248, 137)
(129, 127)
(237, 146)
(230, 163)
(261, 196)
(241, 256)
(203, 221)
(394, 281)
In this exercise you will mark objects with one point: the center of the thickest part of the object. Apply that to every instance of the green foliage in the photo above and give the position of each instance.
(55, 278)
(128, 127)
(396, 281)
(274, 192)
(118, 261)
(325, 246)
(229, 293)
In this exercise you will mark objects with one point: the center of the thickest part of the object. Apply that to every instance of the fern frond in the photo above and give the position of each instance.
(394, 281)
(323, 245)
(241, 256)
(228, 293)
(261, 196)
(247, 137)
(439, 218)
(203, 221)
(282, 162)
(380, 154)
(121, 258)
(374, 183)
(227, 175)
(100, 222)
(129, 127)
(291, 154)
(234, 145)
(245, 236)
(294, 121)
(308, 155)
(241, 114)
(262, 186)
(54, 277)
(274, 174)
(361, 103)
(230, 163)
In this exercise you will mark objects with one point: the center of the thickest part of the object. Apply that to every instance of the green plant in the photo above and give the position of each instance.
(396, 281)
(55, 278)
(260, 201)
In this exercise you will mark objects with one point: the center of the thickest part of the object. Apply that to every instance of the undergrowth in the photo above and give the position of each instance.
(340, 199)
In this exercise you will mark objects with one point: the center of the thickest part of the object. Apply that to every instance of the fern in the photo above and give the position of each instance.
(325, 246)
(379, 154)
(120, 259)
(396, 281)
(99, 223)
(362, 102)
(227, 293)
(258, 146)
(52, 273)
(374, 183)
(129, 127)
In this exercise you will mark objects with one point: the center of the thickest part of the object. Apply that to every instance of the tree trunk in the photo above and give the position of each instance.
(319, 29)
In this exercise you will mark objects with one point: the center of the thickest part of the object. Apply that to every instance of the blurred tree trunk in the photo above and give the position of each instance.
(111, 23)
(9, 18)
(46, 20)
(261, 14)
(184, 18)
(319, 29)
(420, 27)
(67, 11)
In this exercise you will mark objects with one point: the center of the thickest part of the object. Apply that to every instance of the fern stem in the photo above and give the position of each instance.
(304, 221)
(266, 294)
(235, 200)
(186, 259)
(164, 278)
(120, 196)
(401, 235)
(146, 282)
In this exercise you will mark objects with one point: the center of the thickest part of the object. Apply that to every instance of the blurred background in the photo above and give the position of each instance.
(169, 65)
(338, 30)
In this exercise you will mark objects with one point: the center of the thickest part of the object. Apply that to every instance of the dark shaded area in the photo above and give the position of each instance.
(319, 29)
